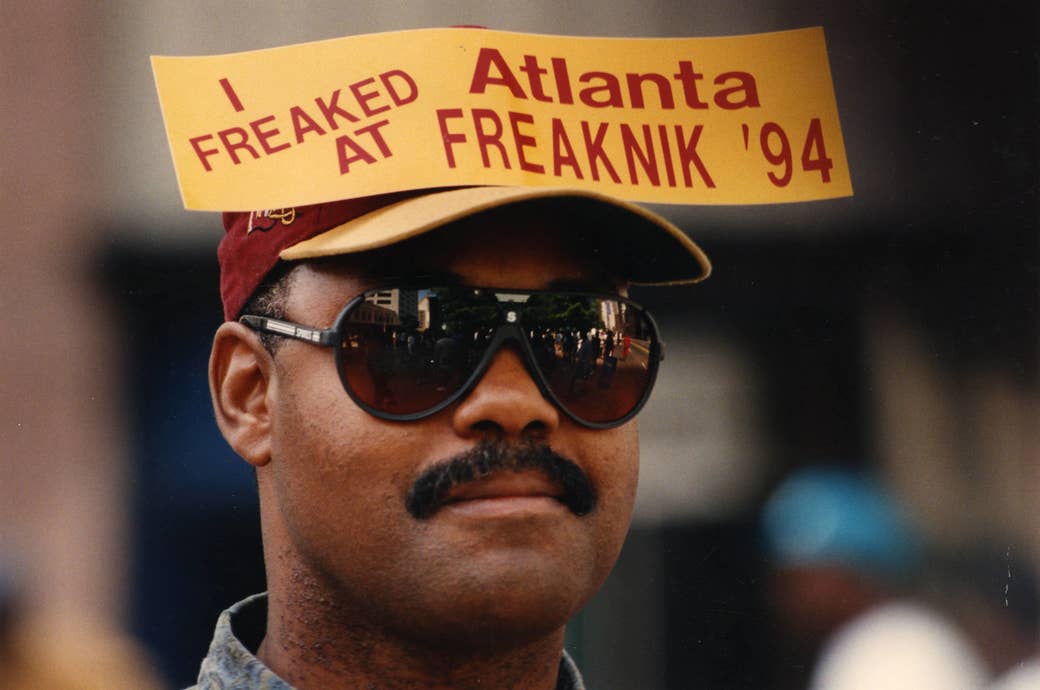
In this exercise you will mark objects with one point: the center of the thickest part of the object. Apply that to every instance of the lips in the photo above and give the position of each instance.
(506, 495)
(503, 485)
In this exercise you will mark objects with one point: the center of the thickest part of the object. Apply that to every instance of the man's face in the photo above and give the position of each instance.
(503, 564)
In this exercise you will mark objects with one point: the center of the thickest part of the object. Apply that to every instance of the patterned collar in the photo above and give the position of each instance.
(231, 664)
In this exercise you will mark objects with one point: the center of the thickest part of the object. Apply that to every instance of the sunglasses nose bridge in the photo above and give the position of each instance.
(509, 331)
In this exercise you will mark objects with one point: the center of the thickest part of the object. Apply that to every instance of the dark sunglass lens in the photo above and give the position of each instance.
(595, 353)
(405, 351)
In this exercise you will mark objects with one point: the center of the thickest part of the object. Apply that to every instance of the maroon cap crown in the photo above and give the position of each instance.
(254, 239)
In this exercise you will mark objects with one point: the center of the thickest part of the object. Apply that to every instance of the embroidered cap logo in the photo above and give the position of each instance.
(265, 220)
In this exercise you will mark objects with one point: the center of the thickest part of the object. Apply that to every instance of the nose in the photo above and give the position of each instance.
(506, 403)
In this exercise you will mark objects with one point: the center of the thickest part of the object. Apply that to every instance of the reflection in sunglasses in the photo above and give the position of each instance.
(405, 353)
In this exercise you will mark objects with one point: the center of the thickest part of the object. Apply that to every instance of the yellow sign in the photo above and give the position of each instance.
(732, 120)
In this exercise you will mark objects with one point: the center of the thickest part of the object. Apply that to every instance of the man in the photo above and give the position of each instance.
(430, 525)
(844, 562)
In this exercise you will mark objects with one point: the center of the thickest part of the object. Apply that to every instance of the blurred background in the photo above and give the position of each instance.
(890, 338)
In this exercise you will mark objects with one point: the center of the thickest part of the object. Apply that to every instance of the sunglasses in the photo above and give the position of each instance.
(405, 353)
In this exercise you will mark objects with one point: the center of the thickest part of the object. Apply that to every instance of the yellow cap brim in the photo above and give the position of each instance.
(659, 252)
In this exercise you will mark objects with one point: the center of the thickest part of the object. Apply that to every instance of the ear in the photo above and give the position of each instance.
(240, 383)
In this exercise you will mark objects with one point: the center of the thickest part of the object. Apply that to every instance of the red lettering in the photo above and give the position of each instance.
(299, 115)
(778, 158)
(664, 89)
(447, 137)
(233, 146)
(688, 156)
(263, 135)
(482, 78)
(594, 147)
(359, 153)
(646, 156)
(609, 86)
(364, 97)
(666, 153)
(524, 141)
(493, 138)
(819, 160)
(203, 154)
(563, 81)
(331, 108)
(688, 78)
(725, 98)
(534, 73)
(395, 95)
(229, 91)
(377, 136)
(563, 152)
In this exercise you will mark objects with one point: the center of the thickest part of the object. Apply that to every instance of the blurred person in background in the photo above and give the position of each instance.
(843, 562)
(70, 653)
(1024, 672)
(1024, 676)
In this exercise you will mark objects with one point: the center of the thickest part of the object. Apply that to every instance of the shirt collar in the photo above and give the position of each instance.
(230, 662)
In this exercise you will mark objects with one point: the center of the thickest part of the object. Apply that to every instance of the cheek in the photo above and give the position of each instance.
(617, 475)
(337, 473)
(613, 467)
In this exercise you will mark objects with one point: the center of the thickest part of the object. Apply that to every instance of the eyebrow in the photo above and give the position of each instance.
(450, 278)
(433, 277)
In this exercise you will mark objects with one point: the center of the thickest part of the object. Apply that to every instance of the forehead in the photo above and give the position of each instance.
(521, 247)
(530, 250)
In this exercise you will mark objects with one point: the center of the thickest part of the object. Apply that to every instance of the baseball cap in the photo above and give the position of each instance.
(649, 249)
(834, 516)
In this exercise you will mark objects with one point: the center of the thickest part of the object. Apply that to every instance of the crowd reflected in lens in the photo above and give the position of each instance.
(404, 351)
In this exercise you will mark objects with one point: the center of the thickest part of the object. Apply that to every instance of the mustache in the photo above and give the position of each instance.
(429, 491)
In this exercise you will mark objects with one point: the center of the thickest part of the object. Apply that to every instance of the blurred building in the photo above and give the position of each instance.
(897, 328)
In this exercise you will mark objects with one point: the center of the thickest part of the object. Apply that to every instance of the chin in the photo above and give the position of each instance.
(510, 622)
(493, 608)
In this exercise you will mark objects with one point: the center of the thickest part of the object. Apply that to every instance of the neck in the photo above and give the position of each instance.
(316, 641)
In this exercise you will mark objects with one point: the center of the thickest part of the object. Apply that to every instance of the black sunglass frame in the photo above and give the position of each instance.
(507, 330)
